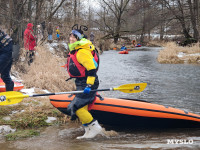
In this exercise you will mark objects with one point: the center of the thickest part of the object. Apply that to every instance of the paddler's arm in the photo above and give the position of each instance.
(85, 58)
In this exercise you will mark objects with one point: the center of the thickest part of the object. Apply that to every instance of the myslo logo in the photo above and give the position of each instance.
(179, 141)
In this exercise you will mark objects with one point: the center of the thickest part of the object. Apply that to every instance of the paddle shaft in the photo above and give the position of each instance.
(13, 97)
(71, 92)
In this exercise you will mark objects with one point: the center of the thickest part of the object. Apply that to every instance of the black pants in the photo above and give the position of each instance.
(5, 66)
(81, 99)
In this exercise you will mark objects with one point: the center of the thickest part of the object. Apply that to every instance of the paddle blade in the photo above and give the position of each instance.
(12, 97)
(131, 88)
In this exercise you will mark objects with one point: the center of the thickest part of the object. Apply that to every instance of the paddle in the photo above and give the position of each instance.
(13, 97)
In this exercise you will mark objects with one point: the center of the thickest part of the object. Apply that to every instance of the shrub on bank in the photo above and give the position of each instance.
(171, 51)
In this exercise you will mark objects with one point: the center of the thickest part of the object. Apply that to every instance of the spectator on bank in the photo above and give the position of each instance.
(134, 43)
(43, 28)
(29, 42)
(50, 32)
(92, 37)
(39, 34)
(58, 33)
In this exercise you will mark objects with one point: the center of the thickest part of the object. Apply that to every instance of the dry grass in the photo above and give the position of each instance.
(46, 72)
(171, 50)
(156, 43)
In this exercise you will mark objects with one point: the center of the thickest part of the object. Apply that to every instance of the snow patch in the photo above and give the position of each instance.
(181, 54)
(28, 91)
(46, 91)
(15, 77)
(197, 54)
(65, 45)
(5, 129)
(16, 111)
(50, 119)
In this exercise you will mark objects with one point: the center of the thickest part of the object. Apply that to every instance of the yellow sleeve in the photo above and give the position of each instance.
(85, 58)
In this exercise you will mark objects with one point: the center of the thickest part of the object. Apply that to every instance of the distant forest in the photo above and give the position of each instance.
(111, 19)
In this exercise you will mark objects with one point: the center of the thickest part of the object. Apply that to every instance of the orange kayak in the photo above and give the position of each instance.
(123, 52)
(17, 86)
(133, 113)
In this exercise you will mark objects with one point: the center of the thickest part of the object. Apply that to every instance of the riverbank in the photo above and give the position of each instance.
(174, 54)
(44, 75)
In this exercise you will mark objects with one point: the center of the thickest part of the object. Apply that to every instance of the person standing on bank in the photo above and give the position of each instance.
(29, 42)
(39, 34)
(92, 37)
(82, 64)
(43, 28)
(58, 33)
(50, 32)
(6, 59)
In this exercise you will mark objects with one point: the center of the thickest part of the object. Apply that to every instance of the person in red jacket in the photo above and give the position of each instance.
(29, 42)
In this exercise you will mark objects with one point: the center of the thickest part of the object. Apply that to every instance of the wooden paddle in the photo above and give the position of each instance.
(13, 97)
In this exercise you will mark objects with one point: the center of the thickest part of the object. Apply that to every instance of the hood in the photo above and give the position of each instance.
(30, 26)
(82, 44)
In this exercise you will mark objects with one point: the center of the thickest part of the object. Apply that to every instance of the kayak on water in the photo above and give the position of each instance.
(138, 45)
(123, 52)
(133, 113)
(17, 86)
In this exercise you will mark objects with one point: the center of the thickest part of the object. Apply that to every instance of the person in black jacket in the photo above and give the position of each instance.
(6, 45)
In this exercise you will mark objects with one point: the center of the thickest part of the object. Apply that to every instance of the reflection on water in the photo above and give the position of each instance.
(175, 85)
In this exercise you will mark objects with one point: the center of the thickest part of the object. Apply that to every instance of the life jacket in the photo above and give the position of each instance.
(74, 68)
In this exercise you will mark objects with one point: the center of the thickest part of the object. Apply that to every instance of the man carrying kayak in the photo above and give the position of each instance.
(82, 64)
(6, 59)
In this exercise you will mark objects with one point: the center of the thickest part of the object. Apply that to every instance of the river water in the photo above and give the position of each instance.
(174, 85)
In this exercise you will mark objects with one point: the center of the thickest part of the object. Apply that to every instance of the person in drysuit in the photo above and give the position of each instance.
(82, 64)
(123, 48)
(6, 59)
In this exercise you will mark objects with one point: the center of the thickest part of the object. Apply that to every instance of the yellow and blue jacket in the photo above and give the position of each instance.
(84, 57)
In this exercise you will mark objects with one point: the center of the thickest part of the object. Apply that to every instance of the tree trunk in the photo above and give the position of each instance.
(29, 11)
(52, 13)
(117, 30)
(193, 20)
(75, 11)
(143, 25)
(185, 31)
(161, 26)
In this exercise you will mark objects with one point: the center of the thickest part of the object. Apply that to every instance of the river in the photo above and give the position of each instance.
(174, 85)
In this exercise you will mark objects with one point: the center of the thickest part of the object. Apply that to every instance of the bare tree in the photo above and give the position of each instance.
(116, 10)
(193, 18)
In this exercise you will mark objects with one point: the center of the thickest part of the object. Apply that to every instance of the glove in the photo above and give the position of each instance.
(87, 89)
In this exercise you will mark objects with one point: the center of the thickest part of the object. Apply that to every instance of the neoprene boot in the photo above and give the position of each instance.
(93, 129)
(10, 86)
